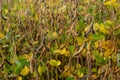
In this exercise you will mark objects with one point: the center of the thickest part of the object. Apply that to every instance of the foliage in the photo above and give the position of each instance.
(59, 39)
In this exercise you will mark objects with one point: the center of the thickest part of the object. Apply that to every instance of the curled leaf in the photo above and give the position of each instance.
(24, 71)
(108, 22)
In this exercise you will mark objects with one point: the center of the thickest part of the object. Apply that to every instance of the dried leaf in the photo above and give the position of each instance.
(107, 53)
(2, 35)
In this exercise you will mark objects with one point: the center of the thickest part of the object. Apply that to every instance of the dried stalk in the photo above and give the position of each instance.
(89, 58)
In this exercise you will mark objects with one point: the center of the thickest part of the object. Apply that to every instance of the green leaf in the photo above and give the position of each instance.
(100, 60)
(70, 78)
(23, 61)
(41, 69)
(72, 48)
(18, 63)
(91, 9)
(108, 22)
(101, 0)
(97, 37)
(83, 70)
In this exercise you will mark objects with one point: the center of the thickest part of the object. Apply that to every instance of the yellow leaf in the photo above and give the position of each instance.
(34, 74)
(109, 44)
(62, 46)
(113, 1)
(80, 74)
(86, 1)
(94, 70)
(102, 28)
(108, 3)
(24, 71)
(53, 3)
(99, 71)
(58, 51)
(27, 44)
(25, 56)
(87, 29)
(62, 52)
(108, 22)
(96, 26)
(66, 67)
(96, 44)
(79, 40)
(55, 62)
(19, 78)
(78, 66)
(6, 11)
(54, 34)
(41, 69)
(90, 37)
(107, 53)
(102, 44)
(36, 17)
(67, 73)
(28, 57)
(95, 76)
(84, 52)
(6, 29)
(2, 35)
(35, 42)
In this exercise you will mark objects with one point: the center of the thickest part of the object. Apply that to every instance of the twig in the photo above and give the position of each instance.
(75, 54)
(35, 55)
(116, 71)
(118, 27)
(48, 76)
(36, 69)
(80, 49)
(89, 63)
(1, 65)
